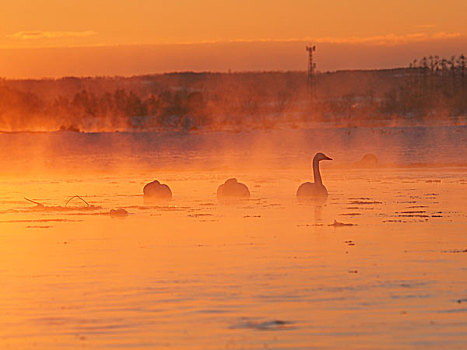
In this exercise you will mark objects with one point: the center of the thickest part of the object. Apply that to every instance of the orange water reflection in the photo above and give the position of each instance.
(263, 273)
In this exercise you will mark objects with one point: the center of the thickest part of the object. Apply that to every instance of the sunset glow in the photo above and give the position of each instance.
(118, 22)
(124, 28)
(233, 174)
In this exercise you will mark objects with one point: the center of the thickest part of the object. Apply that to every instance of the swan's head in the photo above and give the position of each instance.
(231, 181)
(320, 156)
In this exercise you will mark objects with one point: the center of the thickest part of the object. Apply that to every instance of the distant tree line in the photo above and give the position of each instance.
(433, 86)
(231, 102)
(430, 87)
(109, 111)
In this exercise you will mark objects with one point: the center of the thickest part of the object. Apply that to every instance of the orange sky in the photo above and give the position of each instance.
(124, 27)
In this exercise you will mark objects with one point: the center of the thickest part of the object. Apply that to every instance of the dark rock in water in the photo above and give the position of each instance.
(455, 251)
(233, 189)
(260, 325)
(118, 213)
(340, 224)
(157, 191)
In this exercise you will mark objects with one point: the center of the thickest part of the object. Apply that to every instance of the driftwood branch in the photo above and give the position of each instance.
(37, 203)
(68, 201)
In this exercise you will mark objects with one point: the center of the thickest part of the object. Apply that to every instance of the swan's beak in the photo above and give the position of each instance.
(327, 158)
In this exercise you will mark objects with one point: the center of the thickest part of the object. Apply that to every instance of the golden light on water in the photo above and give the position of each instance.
(269, 271)
(161, 163)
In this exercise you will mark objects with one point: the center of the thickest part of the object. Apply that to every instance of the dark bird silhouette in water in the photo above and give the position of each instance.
(369, 160)
(314, 190)
(157, 191)
(232, 189)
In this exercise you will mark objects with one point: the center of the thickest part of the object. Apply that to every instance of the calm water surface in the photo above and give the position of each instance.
(268, 273)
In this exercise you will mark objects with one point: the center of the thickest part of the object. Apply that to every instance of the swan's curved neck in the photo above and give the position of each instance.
(316, 172)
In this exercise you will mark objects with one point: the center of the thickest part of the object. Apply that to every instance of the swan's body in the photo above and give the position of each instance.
(310, 190)
(233, 189)
(314, 190)
(157, 191)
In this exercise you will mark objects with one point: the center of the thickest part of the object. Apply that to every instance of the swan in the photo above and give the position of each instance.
(233, 189)
(315, 190)
(369, 160)
(156, 190)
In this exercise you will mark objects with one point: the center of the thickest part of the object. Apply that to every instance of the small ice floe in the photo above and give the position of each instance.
(262, 325)
(412, 214)
(364, 202)
(38, 221)
(340, 224)
(118, 213)
(199, 215)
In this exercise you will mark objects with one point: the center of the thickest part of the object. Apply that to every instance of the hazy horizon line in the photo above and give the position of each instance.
(377, 40)
(304, 71)
(234, 56)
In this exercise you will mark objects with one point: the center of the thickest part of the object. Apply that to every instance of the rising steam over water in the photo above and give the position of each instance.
(82, 152)
(381, 265)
